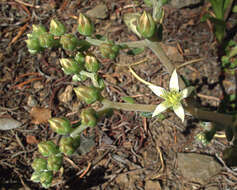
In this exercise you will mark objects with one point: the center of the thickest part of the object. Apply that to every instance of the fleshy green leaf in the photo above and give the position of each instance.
(128, 99)
(135, 51)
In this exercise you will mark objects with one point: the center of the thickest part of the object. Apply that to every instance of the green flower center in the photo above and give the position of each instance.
(172, 97)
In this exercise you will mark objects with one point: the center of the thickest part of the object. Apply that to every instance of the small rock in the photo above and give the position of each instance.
(152, 185)
(183, 3)
(31, 101)
(38, 85)
(122, 179)
(66, 96)
(99, 12)
(197, 167)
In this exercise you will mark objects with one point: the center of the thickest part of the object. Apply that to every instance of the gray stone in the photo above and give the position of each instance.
(183, 3)
(99, 12)
(197, 167)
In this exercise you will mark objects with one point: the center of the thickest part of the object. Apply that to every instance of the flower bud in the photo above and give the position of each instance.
(80, 58)
(57, 28)
(146, 25)
(79, 77)
(33, 45)
(38, 30)
(55, 162)
(46, 40)
(46, 178)
(67, 145)
(85, 27)
(35, 177)
(109, 50)
(70, 66)
(88, 117)
(39, 164)
(69, 42)
(87, 94)
(61, 126)
(47, 148)
(91, 63)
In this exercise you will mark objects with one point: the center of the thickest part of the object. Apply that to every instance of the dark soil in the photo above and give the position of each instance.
(130, 149)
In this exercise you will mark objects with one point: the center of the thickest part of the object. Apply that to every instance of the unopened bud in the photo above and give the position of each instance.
(55, 162)
(61, 126)
(46, 178)
(33, 45)
(88, 117)
(85, 27)
(80, 58)
(57, 28)
(87, 94)
(91, 63)
(46, 40)
(38, 30)
(109, 50)
(47, 148)
(69, 42)
(67, 145)
(35, 177)
(70, 66)
(39, 164)
(146, 25)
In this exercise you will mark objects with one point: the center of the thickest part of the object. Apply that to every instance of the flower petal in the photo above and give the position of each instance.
(187, 91)
(179, 111)
(159, 91)
(174, 81)
(160, 108)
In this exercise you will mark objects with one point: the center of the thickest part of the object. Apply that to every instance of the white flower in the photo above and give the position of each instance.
(172, 98)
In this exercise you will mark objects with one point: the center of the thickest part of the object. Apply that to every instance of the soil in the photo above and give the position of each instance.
(131, 151)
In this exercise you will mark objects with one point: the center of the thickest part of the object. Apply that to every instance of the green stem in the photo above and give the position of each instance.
(92, 76)
(77, 131)
(135, 44)
(219, 118)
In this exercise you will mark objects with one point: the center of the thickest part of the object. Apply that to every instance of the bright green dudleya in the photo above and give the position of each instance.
(85, 27)
(47, 148)
(88, 117)
(88, 94)
(91, 63)
(57, 28)
(69, 42)
(146, 25)
(109, 50)
(68, 145)
(61, 126)
(71, 66)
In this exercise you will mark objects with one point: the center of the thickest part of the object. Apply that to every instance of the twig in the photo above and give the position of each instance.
(189, 62)
(86, 170)
(27, 4)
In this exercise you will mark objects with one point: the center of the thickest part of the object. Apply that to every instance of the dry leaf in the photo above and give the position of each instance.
(31, 139)
(172, 53)
(40, 115)
(9, 123)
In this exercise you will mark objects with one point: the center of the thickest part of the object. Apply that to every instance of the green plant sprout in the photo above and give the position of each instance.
(83, 66)
(221, 9)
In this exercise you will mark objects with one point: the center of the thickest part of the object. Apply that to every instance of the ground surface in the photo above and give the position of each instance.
(131, 151)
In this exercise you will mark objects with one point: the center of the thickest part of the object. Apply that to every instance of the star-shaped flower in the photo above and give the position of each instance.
(172, 97)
